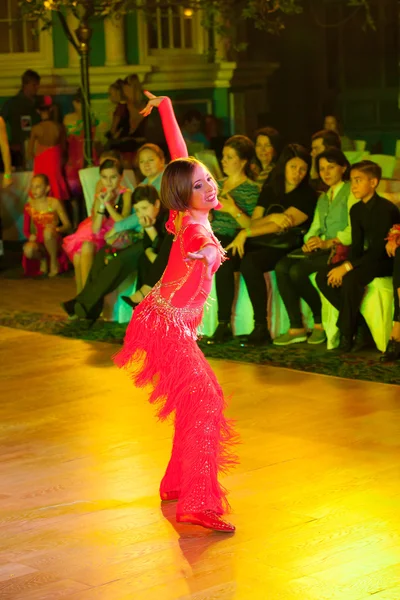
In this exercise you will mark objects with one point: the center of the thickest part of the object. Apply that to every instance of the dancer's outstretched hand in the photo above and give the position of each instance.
(207, 255)
(153, 101)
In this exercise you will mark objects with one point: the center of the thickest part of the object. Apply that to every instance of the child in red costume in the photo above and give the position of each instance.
(160, 343)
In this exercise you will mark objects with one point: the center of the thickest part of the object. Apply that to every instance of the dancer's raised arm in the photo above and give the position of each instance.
(173, 135)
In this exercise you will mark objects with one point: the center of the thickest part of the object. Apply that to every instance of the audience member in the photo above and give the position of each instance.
(112, 203)
(5, 155)
(152, 217)
(120, 126)
(332, 123)
(321, 141)
(42, 253)
(20, 114)
(47, 146)
(238, 194)
(326, 241)
(128, 146)
(268, 146)
(393, 249)
(191, 128)
(112, 265)
(344, 285)
(288, 203)
(7, 177)
(73, 123)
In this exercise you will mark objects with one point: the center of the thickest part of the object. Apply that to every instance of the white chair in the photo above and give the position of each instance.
(360, 145)
(386, 162)
(354, 156)
(243, 317)
(114, 308)
(376, 308)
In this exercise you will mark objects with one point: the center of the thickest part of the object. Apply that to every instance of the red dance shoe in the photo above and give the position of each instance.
(169, 496)
(208, 519)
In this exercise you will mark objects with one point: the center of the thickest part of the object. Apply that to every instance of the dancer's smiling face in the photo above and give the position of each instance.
(204, 189)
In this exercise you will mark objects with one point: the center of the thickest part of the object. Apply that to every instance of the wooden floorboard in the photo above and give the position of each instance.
(316, 498)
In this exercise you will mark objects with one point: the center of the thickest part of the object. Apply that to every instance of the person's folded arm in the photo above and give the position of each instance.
(131, 223)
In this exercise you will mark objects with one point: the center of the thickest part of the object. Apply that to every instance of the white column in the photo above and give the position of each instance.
(114, 34)
(73, 56)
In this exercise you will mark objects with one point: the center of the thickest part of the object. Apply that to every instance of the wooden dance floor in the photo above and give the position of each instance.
(316, 498)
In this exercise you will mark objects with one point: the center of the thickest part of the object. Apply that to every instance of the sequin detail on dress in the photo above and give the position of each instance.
(160, 349)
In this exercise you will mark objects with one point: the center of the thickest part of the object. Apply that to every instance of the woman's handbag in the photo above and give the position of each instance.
(284, 240)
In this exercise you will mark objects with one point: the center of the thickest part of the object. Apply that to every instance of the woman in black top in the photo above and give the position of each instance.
(286, 202)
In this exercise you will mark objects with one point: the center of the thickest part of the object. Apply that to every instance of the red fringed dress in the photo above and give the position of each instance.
(160, 349)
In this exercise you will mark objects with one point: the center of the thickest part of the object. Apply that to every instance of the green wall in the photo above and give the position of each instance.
(61, 44)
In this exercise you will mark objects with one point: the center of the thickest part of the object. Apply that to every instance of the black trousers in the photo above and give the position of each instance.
(347, 298)
(158, 267)
(253, 266)
(396, 285)
(225, 281)
(293, 279)
(105, 278)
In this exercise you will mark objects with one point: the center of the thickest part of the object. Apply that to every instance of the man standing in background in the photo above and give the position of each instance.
(20, 114)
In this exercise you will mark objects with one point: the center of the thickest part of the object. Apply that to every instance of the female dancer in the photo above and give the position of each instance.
(47, 145)
(160, 343)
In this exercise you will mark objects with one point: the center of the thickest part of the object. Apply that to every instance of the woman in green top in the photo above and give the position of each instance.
(238, 194)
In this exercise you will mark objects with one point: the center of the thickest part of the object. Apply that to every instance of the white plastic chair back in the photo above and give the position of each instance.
(386, 162)
(354, 156)
(360, 145)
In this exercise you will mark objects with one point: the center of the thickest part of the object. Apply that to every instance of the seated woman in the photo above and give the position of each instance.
(393, 249)
(285, 209)
(238, 194)
(268, 146)
(111, 204)
(47, 145)
(73, 123)
(329, 230)
(120, 121)
(332, 123)
(42, 253)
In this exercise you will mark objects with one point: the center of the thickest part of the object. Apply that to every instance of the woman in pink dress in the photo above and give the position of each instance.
(160, 343)
(47, 146)
(112, 203)
(42, 253)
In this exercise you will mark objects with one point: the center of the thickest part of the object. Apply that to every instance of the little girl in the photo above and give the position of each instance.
(43, 252)
(112, 203)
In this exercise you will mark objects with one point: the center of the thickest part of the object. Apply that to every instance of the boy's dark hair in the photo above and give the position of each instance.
(29, 76)
(145, 192)
(336, 156)
(277, 178)
(43, 177)
(369, 168)
(330, 138)
(112, 163)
